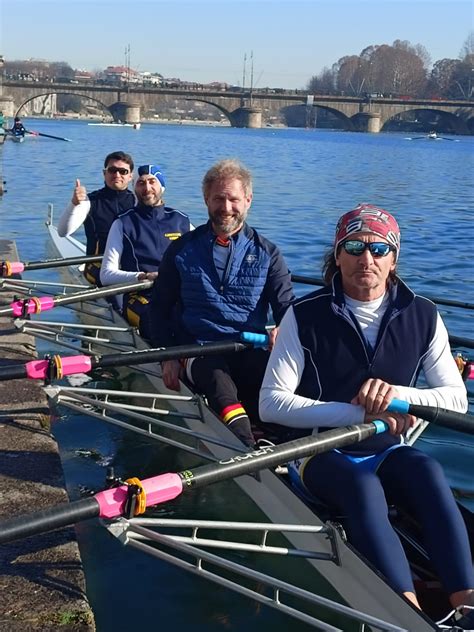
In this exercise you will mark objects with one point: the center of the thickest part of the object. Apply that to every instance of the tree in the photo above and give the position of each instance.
(351, 75)
(324, 83)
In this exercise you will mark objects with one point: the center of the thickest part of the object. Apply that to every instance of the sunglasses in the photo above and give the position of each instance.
(376, 248)
(121, 170)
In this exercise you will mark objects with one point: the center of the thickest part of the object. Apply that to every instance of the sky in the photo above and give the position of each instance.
(206, 40)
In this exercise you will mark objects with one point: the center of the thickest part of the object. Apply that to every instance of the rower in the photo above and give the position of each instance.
(342, 354)
(97, 210)
(215, 283)
(137, 241)
(18, 128)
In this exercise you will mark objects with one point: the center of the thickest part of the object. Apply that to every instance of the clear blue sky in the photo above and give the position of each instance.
(202, 40)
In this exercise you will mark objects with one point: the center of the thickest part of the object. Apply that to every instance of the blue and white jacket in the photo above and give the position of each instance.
(192, 304)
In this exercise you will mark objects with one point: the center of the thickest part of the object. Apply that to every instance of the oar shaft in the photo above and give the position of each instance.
(271, 456)
(439, 416)
(57, 366)
(111, 503)
(18, 266)
(48, 519)
(36, 305)
(95, 293)
(461, 341)
(48, 135)
(307, 280)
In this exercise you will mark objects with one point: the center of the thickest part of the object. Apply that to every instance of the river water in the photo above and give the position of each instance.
(303, 181)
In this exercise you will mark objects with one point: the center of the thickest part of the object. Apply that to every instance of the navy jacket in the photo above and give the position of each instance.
(192, 304)
(106, 206)
(338, 359)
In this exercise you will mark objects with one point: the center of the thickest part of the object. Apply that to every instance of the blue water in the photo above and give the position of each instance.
(304, 179)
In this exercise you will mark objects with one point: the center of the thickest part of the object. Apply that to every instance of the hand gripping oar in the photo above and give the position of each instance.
(57, 367)
(48, 136)
(439, 416)
(8, 268)
(35, 305)
(114, 502)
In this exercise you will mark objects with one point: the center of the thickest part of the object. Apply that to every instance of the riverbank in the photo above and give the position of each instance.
(42, 581)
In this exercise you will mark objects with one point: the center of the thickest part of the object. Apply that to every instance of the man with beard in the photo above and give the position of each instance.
(137, 241)
(99, 209)
(215, 283)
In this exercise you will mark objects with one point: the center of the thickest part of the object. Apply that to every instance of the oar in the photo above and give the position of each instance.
(48, 136)
(159, 489)
(297, 278)
(8, 268)
(57, 366)
(35, 305)
(438, 416)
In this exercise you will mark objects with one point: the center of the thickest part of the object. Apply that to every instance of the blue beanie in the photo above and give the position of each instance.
(152, 170)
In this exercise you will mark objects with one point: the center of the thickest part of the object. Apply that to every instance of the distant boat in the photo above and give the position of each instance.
(432, 136)
(133, 125)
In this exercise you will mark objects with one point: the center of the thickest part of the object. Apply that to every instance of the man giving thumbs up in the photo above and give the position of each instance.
(100, 208)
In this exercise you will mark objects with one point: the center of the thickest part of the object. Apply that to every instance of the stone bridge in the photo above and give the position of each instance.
(241, 108)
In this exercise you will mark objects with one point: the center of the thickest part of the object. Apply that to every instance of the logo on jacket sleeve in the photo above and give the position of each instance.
(172, 236)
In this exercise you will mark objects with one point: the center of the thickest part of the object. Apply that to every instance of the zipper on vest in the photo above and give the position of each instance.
(225, 276)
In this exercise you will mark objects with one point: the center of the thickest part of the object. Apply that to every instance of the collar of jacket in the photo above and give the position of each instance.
(112, 193)
(149, 211)
(400, 294)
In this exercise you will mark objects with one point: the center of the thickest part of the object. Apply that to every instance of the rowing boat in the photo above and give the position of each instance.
(133, 125)
(355, 582)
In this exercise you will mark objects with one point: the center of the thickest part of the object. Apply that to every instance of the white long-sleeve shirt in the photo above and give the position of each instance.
(279, 403)
(110, 272)
(73, 217)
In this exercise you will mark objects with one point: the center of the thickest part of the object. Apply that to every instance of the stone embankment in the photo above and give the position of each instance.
(42, 583)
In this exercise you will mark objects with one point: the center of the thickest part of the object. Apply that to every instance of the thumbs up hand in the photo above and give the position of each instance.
(79, 193)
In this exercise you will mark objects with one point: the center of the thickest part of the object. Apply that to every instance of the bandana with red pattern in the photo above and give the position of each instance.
(366, 218)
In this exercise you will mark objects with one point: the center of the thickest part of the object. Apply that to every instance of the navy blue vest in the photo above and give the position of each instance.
(147, 233)
(338, 359)
(215, 309)
(106, 206)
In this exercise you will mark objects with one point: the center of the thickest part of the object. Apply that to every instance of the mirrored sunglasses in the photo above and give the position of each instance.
(376, 248)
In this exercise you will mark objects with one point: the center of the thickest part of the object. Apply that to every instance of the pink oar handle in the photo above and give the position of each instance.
(38, 369)
(158, 489)
(8, 268)
(34, 305)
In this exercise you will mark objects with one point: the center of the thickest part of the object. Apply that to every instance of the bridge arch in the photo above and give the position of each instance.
(222, 109)
(74, 94)
(451, 123)
(340, 116)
